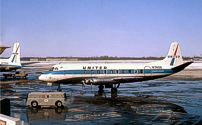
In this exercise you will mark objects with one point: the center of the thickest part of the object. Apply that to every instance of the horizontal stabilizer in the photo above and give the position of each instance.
(182, 66)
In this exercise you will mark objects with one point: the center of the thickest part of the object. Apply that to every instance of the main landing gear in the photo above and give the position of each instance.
(112, 86)
(101, 87)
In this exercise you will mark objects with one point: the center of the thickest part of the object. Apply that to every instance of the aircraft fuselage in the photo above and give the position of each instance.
(104, 73)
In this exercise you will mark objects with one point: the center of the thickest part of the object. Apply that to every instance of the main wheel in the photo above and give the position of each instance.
(58, 104)
(100, 88)
(114, 90)
(34, 104)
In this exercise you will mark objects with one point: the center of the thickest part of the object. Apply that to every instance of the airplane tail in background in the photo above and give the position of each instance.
(15, 57)
(174, 57)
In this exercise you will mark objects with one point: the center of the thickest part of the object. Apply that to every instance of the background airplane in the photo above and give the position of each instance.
(13, 63)
(111, 75)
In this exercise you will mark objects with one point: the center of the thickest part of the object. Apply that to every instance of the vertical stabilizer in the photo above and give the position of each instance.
(15, 57)
(174, 57)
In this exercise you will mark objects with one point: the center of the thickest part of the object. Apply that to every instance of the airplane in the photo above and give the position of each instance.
(13, 63)
(111, 75)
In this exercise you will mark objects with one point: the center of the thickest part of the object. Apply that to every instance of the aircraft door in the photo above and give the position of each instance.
(147, 71)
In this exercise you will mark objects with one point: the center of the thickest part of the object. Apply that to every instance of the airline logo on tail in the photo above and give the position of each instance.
(15, 54)
(173, 60)
(13, 63)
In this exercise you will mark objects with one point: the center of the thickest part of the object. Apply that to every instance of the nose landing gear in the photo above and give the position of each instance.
(58, 89)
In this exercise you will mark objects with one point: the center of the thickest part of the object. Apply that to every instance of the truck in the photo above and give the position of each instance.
(36, 99)
(16, 74)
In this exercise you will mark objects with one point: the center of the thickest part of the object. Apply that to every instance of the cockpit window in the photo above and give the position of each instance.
(53, 69)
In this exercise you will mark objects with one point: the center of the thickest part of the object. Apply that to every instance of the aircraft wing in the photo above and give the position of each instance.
(24, 64)
(112, 80)
(3, 48)
(100, 81)
(28, 63)
(126, 78)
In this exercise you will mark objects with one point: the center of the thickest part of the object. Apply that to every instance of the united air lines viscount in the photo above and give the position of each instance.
(13, 63)
(111, 75)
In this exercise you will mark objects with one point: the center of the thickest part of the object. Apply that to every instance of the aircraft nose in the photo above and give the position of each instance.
(42, 78)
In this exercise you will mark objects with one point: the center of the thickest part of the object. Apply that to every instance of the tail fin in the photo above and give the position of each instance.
(174, 57)
(15, 57)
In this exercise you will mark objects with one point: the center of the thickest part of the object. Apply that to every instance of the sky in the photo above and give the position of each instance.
(82, 28)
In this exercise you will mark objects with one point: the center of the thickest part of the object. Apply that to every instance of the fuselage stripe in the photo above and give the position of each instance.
(112, 71)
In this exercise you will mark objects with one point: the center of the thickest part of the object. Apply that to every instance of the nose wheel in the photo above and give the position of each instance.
(58, 89)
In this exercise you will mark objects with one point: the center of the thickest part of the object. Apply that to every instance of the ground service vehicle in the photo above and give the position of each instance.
(46, 99)
(16, 74)
(20, 74)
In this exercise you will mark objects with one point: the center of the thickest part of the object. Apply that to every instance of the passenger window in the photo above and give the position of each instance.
(111, 71)
(141, 71)
(92, 71)
(85, 72)
(98, 72)
(47, 96)
(129, 71)
(123, 71)
(135, 71)
(117, 71)
(105, 71)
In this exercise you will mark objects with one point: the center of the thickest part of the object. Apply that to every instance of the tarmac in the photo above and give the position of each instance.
(186, 75)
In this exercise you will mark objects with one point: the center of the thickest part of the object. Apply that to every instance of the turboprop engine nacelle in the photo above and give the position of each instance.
(97, 81)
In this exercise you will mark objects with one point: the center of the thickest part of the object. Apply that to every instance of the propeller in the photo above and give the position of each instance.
(91, 86)
(83, 84)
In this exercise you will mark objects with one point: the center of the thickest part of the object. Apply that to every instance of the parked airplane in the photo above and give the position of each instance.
(13, 63)
(111, 75)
